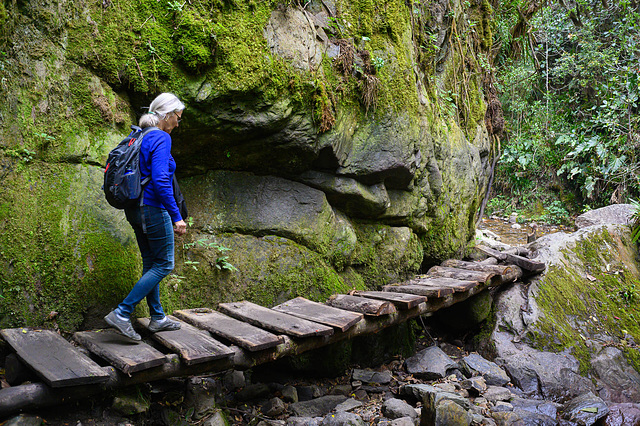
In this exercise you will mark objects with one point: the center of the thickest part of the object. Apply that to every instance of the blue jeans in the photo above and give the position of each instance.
(156, 247)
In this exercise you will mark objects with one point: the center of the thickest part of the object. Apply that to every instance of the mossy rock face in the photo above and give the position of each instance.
(586, 299)
(407, 173)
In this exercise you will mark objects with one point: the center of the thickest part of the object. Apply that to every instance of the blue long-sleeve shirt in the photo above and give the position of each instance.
(156, 160)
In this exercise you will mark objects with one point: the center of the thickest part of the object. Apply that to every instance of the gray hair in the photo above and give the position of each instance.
(163, 104)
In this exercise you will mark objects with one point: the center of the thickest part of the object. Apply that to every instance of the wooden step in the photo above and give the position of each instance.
(53, 358)
(401, 301)
(190, 343)
(242, 334)
(320, 313)
(458, 286)
(460, 274)
(477, 266)
(363, 305)
(273, 320)
(421, 290)
(123, 353)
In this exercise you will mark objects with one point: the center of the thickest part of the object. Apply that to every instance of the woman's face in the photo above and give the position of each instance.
(171, 121)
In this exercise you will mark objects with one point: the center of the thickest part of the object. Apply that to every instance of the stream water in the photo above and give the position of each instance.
(515, 234)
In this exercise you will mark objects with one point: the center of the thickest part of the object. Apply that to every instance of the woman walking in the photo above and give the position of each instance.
(156, 220)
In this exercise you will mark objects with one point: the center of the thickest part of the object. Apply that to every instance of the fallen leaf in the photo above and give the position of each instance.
(591, 277)
(590, 410)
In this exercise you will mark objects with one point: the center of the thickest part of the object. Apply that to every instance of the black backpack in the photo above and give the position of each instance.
(122, 179)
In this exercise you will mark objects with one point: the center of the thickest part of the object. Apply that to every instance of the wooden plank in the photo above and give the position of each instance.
(53, 358)
(421, 290)
(242, 334)
(363, 305)
(460, 274)
(190, 343)
(128, 356)
(523, 262)
(458, 286)
(477, 266)
(274, 321)
(318, 312)
(402, 301)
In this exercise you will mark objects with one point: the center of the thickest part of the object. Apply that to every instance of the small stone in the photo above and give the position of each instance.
(502, 406)
(24, 420)
(343, 419)
(289, 394)
(234, 380)
(217, 419)
(475, 385)
(304, 421)
(369, 376)
(496, 393)
(341, 390)
(306, 393)
(361, 394)
(396, 408)
(402, 421)
(447, 387)
(348, 405)
(255, 391)
(274, 407)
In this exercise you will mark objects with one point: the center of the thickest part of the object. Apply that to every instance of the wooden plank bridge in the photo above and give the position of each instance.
(238, 335)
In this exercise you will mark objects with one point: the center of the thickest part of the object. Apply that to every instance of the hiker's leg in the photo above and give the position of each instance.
(158, 245)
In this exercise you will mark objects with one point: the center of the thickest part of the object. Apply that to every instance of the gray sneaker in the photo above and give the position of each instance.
(165, 324)
(123, 326)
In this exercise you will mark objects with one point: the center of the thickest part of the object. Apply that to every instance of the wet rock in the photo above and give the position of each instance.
(622, 382)
(317, 407)
(254, 391)
(541, 374)
(274, 407)
(492, 373)
(622, 415)
(201, 396)
(430, 364)
(306, 393)
(585, 409)
(537, 406)
(397, 408)
(402, 421)
(289, 393)
(24, 420)
(129, 401)
(497, 393)
(431, 395)
(341, 390)
(444, 413)
(502, 406)
(348, 405)
(369, 376)
(615, 213)
(474, 385)
(343, 419)
(217, 419)
(234, 380)
(304, 421)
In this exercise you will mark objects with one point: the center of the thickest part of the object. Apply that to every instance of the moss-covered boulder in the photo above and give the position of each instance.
(585, 302)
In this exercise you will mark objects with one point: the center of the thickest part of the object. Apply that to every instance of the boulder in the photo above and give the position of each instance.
(445, 413)
(430, 364)
(343, 419)
(585, 409)
(613, 214)
(369, 376)
(317, 407)
(620, 381)
(394, 408)
(492, 373)
(622, 414)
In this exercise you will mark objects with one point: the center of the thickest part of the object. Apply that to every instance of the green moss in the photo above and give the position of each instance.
(574, 307)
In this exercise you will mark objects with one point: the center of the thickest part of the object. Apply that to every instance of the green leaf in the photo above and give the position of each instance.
(590, 410)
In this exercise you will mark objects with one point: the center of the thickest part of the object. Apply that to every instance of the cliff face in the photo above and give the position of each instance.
(323, 148)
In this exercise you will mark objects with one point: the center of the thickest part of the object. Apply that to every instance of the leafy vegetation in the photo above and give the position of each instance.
(568, 78)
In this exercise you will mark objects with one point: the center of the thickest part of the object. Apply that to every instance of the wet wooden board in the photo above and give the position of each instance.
(274, 321)
(400, 300)
(242, 334)
(478, 266)
(421, 290)
(123, 353)
(458, 286)
(460, 274)
(321, 313)
(363, 305)
(53, 358)
(190, 343)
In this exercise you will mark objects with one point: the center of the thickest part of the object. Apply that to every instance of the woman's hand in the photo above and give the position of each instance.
(180, 227)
